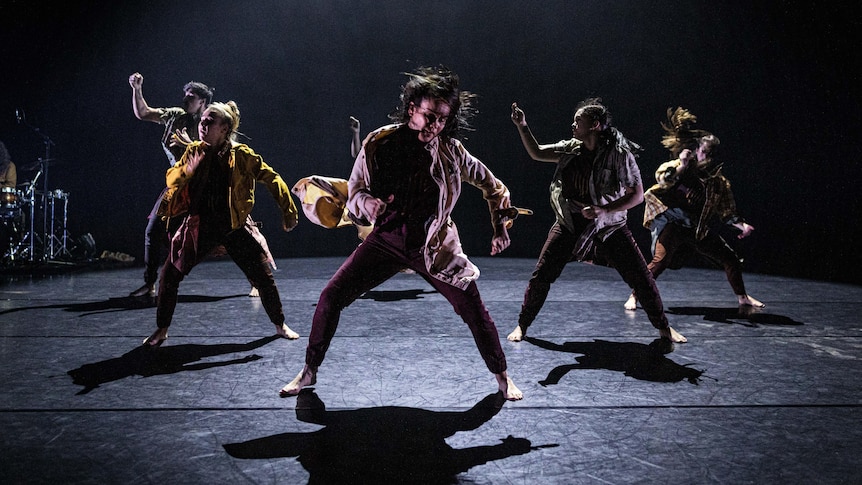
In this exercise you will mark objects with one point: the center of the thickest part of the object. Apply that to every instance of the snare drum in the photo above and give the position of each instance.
(8, 200)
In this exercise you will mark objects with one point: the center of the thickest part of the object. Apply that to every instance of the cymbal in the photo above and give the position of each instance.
(34, 165)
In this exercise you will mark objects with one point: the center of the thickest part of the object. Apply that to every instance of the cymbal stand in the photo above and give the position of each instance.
(44, 162)
(31, 239)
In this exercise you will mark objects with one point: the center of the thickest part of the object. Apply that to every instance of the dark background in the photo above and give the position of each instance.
(776, 81)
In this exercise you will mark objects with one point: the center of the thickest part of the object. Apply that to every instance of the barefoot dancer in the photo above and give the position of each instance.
(212, 186)
(406, 180)
(596, 182)
(689, 200)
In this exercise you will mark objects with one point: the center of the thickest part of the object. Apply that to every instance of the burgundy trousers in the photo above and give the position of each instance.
(377, 259)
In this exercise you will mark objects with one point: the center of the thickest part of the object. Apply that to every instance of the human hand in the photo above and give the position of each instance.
(592, 211)
(745, 228)
(500, 241)
(192, 161)
(136, 80)
(354, 125)
(374, 206)
(518, 116)
(290, 223)
(685, 157)
(181, 137)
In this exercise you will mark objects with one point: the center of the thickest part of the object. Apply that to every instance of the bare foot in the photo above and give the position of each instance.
(632, 303)
(517, 335)
(508, 388)
(307, 377)
(672, 335)
(750, 301)
(157, 338)
(284, 331)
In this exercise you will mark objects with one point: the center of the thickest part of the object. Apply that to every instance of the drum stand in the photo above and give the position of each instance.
(57, 245)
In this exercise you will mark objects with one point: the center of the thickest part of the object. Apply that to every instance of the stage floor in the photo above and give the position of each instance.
(770, 396)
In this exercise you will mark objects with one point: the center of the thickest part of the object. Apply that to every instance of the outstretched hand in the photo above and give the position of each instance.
(181, 138)
(518, 116)
(745, 228)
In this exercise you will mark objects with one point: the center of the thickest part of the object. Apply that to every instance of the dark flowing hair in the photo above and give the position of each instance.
(437, 83)
(679, 133)
(593, 109)
(201, 90)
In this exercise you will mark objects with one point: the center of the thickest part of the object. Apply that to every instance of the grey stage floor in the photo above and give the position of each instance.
(403, 397)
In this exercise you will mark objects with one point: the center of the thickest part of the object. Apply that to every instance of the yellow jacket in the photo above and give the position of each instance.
(247, 167)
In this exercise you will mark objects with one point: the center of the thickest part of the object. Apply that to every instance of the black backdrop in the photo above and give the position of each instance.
(776, 81)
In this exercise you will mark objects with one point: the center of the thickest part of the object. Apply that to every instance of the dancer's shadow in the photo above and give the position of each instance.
(395, 295)
(383, 445)
(643, 362)
(742, 315)
(124, 303)
(145, 362)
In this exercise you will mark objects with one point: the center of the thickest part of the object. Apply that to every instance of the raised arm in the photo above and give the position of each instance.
(540, 153)
(669, 173)
(355, 143)
(140, 107)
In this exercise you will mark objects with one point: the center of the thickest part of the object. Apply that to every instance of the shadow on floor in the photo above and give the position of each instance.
(383, 444)
(742, 315)
(643, 362)
(145, 362)
(120, 304)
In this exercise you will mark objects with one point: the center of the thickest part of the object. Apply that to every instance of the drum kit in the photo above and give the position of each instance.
(34, 222)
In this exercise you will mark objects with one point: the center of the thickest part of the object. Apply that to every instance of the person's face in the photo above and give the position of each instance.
(192, 102)
(212, 129)
(582, 126)
(703, 151)
(428, 118)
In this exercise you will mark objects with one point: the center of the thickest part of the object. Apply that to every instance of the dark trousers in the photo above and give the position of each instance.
(376, 260)
(156, 239)
(619, 249)
(713, 247)
(246, 252)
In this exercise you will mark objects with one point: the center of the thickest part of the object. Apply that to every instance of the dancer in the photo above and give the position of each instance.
(691, 198)
(596, 181)
(179, 121)
(407, 179)
(181, 128)
(212, 189)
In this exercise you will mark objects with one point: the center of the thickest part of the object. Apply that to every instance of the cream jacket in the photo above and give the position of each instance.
(451, 165)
